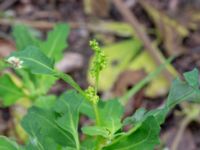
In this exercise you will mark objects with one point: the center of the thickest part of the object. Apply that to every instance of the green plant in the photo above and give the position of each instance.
(26, 84)
(53, 124)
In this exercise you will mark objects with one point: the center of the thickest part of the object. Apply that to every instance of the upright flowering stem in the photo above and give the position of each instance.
(98, 64)
(96, 111)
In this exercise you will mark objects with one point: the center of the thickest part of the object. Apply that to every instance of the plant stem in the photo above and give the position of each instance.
(96, 83)
(71, 82)
(96, 111)
(146, 80)
(77, 142)
(95, 105)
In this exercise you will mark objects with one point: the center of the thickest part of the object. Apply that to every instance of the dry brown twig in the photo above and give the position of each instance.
(132, 20)
(44, 25)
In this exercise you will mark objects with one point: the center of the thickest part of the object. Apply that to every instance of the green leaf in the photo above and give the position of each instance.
(27, 78)
(137, 117)
(24, 37)
(182, 91)
(110, 118)
(67, 78)
(45, 102)
(110, 113)
(87, 109)
(43, 83)
(159, 114)
(53, 46)
(95, 130)
(89, 144)
(35, 83)
(58, 124)
(7, 144)
(67, 107)
(40, 125)
(143, 137)
(9, 92)
(192, 78)
(35, 60)
(44, 144)
(56, 42)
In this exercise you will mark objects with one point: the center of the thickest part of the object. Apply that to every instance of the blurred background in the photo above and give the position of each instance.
(137, 37)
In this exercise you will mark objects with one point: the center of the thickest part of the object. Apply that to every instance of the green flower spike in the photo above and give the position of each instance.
(91, 95)
(100, 60)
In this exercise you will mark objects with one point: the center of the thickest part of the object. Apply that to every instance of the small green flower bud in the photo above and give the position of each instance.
(100, 60)
(91, 95)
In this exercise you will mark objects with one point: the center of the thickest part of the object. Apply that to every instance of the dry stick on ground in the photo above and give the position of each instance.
(153, 51)
(45, 25)
(36, 24)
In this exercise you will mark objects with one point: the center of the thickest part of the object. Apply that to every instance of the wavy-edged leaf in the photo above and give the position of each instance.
(87, 109)
(43, 83)
(180, 91)
(56, 41)
(184, 90)
(67, 78)
(58, 124)
(36, 61)
(137, 117)
(24, 37)
(144, 137)
(40, 124)
(89, 144)
(7, 144)
(52, 47)
(9, 92)
(192, 78)
(67, 107)
(95, 130)
(110, 114)
(46, 102)
(44, 144)
(110, 118)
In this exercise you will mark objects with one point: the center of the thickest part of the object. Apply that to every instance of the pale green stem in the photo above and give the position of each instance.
(96, 84)
(95, 105)
(124, 99)
(71, 82)
(96, 111)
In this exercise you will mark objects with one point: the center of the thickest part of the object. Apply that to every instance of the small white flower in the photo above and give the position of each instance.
(15, 62)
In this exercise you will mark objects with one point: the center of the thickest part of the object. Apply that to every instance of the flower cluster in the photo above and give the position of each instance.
(100, 61)
(91, 95)
(15, 62)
